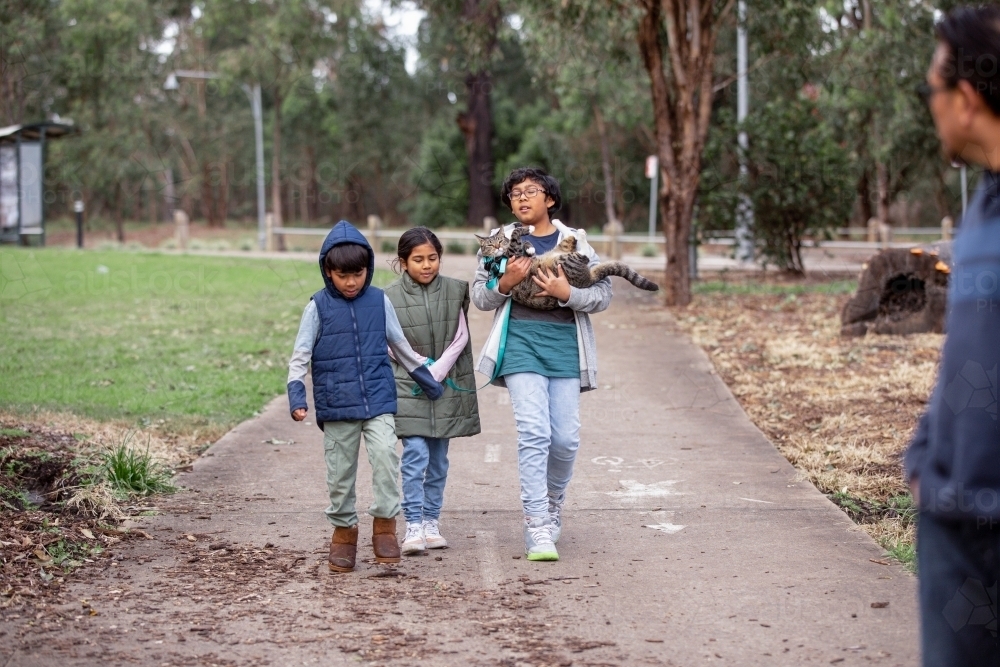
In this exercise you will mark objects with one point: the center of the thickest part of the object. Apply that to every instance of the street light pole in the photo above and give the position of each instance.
(744, 209)
(253, 94)
(258, 133)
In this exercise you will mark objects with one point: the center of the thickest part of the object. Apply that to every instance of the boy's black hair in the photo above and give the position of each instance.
(346, 257)
(972, 35)
(410, 239)
(539, 176)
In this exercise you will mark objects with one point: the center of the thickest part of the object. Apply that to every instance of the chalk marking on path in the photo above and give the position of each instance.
(492, 454)
(613, 461)
(634, 491)
(757, 501)
(668, 528)
(489, 559)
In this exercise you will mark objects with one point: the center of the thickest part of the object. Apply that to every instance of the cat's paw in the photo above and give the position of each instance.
(531, 229)
(529, 251)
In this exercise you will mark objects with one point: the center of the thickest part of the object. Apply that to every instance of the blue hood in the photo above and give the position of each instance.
(345, 232)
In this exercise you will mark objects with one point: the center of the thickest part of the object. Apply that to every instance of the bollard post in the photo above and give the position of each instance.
(613, 228)
(489, 224)
(374, 223)
(269, 232)
(181, 231)
(78, 209)
(947, 228)
(873, 230)
(884, 234)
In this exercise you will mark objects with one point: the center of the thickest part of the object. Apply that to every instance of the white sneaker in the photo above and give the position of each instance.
(555, 521)
(414, 541)
(432, 535)
(538, 544)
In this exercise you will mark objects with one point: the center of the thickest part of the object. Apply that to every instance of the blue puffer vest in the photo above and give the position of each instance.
(351, 374)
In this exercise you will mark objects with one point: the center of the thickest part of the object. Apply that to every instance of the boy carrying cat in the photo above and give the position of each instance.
(547, 357)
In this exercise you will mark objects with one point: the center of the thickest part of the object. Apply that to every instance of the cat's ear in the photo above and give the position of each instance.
(482, 239)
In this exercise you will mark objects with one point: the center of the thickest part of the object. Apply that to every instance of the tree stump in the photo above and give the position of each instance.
(901, 291)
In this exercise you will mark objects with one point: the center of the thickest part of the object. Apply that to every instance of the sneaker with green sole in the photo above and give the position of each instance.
(538, 543)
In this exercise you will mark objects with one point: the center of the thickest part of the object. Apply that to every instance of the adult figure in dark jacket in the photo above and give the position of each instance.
(953, 462)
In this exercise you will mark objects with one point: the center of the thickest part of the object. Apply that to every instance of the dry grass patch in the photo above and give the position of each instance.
(840, 410)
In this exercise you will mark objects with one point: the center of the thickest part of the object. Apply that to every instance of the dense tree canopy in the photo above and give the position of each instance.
(569, 86)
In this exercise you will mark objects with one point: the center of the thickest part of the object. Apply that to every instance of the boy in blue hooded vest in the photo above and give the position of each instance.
(346, 332)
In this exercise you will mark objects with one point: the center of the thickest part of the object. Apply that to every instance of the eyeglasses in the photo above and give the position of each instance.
(529, 193)
(926, 91)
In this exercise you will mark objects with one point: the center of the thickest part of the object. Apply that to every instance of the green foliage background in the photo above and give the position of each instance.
(361, 135)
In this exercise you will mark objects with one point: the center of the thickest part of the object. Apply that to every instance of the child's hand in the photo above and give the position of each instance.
(300, 414)
(517, 270)
(553, 284)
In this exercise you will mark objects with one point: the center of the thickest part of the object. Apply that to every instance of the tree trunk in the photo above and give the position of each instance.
(882, 182)
(941, 198)
(865, 196)
(482, 17)
(609, 183)
(477, 126)
(682, 107)
(119, 214)
(276, 171)
(222, 201)
(207, 194)
(312, 191)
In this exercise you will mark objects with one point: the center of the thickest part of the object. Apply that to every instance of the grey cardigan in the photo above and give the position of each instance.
(583, 301)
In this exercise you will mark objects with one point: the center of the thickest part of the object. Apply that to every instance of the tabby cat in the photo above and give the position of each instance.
(575, 266)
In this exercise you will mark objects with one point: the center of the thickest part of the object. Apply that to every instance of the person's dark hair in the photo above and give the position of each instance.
(409, 240)
(972, 35)
(346, 257)
(539, 176)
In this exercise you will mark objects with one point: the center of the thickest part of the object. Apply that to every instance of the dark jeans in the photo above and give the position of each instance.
(958, 563)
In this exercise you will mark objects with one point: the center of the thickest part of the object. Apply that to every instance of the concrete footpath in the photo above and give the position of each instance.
(688, 540)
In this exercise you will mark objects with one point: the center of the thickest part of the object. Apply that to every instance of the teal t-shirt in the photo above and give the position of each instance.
(541, 341)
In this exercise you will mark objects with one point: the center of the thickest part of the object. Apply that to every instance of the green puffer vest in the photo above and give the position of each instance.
(429, 317)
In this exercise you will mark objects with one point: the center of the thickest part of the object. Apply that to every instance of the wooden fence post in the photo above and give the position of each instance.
(182, 231)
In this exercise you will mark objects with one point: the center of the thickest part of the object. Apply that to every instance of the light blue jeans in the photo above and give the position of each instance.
(424, 466)
(547, 412)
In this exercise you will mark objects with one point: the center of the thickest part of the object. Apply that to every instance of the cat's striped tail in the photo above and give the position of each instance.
(622, 270)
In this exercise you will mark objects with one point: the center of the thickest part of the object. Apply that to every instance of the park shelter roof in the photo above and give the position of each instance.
(33, 131)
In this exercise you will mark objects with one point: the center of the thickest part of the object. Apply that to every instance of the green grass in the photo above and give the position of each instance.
(722, 287)
(145, 336)
(133, 472)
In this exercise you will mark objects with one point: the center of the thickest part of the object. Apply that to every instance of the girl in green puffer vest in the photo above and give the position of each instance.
(432, 311)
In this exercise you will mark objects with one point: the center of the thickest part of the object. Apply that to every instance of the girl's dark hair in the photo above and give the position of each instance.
(539, 176)
(409, 240)
(346, 257)
(973, 38)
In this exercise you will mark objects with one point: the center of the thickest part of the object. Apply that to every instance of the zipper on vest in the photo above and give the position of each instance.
(430, 321)
(361, 367)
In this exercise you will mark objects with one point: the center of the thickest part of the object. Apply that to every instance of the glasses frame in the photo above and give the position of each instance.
(523, 194)
(926, 92)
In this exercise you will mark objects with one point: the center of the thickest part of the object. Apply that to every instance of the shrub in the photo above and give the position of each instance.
(455, 248)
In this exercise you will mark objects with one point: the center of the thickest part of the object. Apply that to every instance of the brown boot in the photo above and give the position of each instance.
(384, 540)
(343, 549)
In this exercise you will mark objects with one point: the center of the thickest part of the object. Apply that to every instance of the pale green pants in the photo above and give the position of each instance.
(341, 448)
